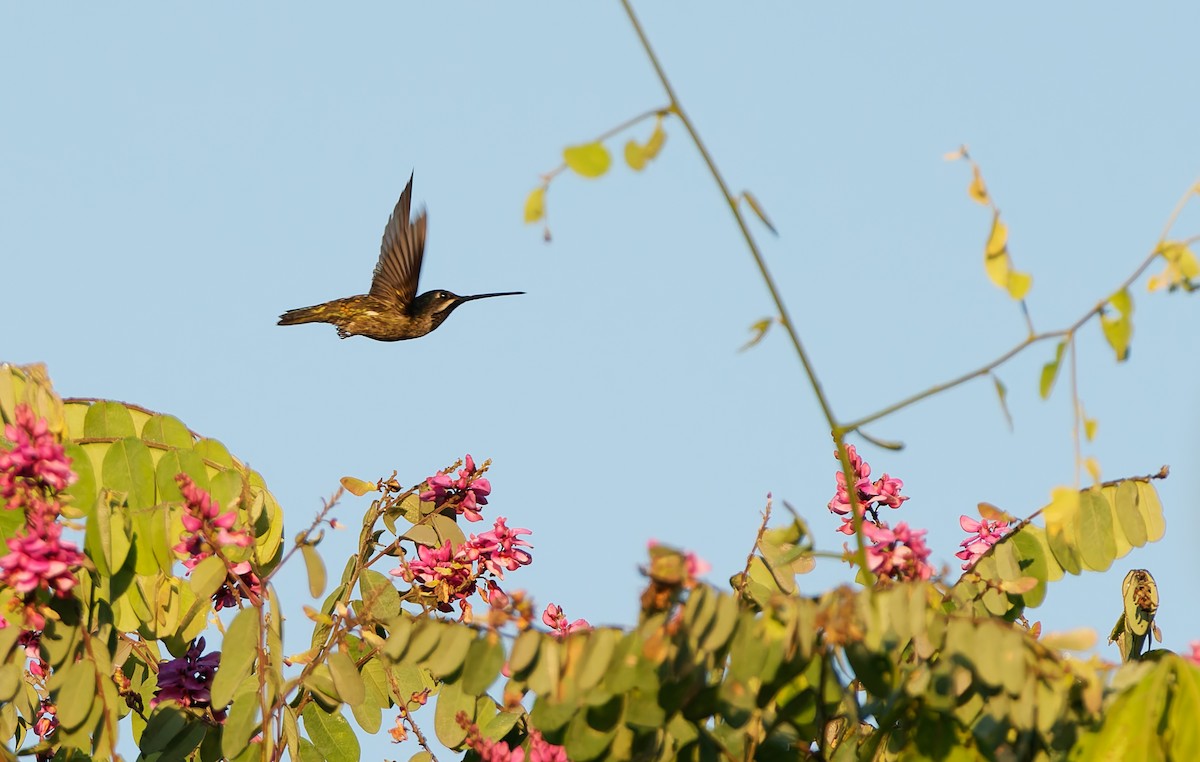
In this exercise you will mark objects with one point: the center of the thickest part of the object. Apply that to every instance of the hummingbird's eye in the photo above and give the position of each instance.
(443, 295)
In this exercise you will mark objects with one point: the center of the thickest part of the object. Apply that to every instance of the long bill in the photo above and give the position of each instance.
(486, 296)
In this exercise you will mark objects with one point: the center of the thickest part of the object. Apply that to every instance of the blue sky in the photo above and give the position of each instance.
(171, 179)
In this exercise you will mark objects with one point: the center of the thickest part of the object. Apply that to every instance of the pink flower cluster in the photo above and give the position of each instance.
(206, 529)
(451, 575)
(32, 473)
(871, 494)
(540, 750)
(898, 553)
(985, 534)
(466, 493)
(554, 618)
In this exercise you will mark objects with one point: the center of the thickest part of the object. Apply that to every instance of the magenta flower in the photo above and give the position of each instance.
(898, 553)
(38, 558)
(187, 679)
(540, 750)
(985, 533)
(36, 460)
(205, 526)
(446, 574)
(500, 549)
(466, 493)
(241, 583)
(871, 495)
(554, 618)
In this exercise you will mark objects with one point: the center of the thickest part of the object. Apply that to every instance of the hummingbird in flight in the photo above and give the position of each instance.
(391, 311)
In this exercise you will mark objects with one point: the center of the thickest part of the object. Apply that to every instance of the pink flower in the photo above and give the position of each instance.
(444, 573)
(188, 679)
(500, 549)
(986, 534)
(1195, 655)
(898, 553)
(556, 620)
(241, 583)
(871, 495)
(38, 558)
(36, 460)
(466, 493)
(205, 526)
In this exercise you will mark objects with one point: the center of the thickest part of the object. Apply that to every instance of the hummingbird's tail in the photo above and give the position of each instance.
(317, 314)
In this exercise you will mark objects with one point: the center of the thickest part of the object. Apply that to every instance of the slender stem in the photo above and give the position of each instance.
(677, 108)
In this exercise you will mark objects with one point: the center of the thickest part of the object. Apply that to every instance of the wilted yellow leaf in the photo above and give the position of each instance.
(755, 207)
(1122, 302)
(1072, 640)
(978, 190)
(1018, 284)
(589, 159)
(992, 513)
(1093, 468)
(1182, 267)
(995, 253)
(760, 330)
(657, 139)
(535, 204)
(358, 487)
(1090, 426)
(635, 156)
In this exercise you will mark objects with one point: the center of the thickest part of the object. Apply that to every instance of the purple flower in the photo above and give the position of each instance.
(187, 679)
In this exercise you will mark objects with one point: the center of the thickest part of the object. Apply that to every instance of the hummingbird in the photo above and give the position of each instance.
(391, 311)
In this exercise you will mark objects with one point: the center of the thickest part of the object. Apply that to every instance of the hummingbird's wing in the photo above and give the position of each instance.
(399, 265)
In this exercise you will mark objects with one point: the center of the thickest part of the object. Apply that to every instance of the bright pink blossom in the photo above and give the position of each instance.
(985, 534)
(898, 553)
(36, 460)
(500, 549)
(556, 620)
(205, 526)
(871, 495)
(466, 492)
(39, 558)
(446, 574)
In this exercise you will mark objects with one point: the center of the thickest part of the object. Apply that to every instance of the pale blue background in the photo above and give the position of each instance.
(173, 179)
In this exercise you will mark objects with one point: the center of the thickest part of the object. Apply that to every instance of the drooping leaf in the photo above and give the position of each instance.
(1002, 395)
(759, 329)
(995, 260)
(238, 652)
(315, 567)
(756, 207)
(346, 679)
(535, 205)
(1050, 371)
(1094, 532)
(331, 734)
(978, 191)
(589, 160)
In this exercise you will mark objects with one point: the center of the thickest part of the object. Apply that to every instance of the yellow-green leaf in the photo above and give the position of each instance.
(1002, 394)
(1050, 371)
(589, 159)
(358, 487)
(638, 156)
(995, 253)
(756, 207)
(316, 570)
(1117, 331)
(760, 329)
(535, 205)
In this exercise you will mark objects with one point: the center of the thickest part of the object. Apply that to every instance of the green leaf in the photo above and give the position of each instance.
(212, 450)
(1117, 332)
(1151, 509)
(346, 679)
(168, 430)
(241, 721)
(1002, 395)
(207, 577)
(1125, 506)
(524, 651)
(455, 642)
(1094, 532)
(1050, 371)
(450, 702)
(238, 652)
(756, 207)
(316, 570)
(108, 420)
(589, 160)
(759, 329)
(331, 734)
(1031, 559)
(81, 494)
(77, 692)
(485, 657)
(128, 468)
(170, 729)
(380, 599)
(597, 656)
